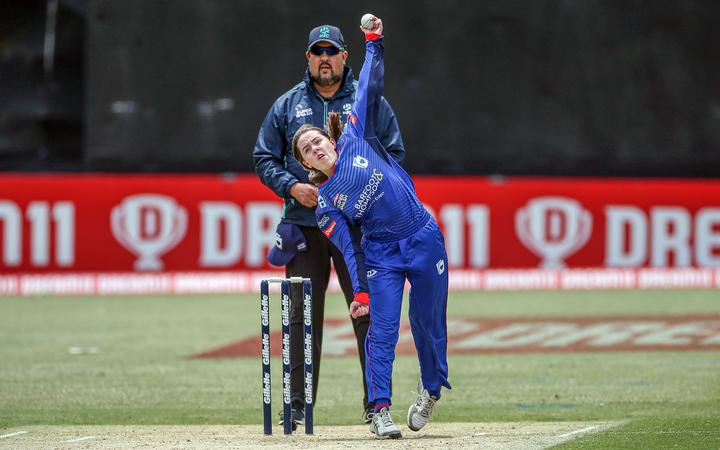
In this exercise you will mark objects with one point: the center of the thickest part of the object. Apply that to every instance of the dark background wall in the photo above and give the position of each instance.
(534, 87)
(41, 92)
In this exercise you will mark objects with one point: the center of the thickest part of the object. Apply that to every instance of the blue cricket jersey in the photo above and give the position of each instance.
(368, 188)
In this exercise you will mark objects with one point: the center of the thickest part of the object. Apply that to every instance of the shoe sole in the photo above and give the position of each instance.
(409, 423)
(294, 425)
(397, 435)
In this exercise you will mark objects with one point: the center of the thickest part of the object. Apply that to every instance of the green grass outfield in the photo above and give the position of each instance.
(141, 375)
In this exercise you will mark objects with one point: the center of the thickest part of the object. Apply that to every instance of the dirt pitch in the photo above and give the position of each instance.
(512, 435)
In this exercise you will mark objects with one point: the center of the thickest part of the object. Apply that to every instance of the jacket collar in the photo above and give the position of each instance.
(346, 87)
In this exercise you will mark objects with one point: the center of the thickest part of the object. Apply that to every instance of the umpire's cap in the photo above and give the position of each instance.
(326, 33)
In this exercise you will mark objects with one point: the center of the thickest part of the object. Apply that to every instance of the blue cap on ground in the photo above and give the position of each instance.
(289, 239)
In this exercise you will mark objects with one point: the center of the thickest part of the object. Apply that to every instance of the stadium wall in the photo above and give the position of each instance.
(542, 87)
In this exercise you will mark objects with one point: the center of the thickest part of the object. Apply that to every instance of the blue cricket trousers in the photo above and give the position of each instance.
(422, 260)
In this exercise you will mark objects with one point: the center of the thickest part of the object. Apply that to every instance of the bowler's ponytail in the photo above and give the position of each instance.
(334, 126)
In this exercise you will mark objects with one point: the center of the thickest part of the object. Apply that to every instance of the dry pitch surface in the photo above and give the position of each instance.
(514, 435)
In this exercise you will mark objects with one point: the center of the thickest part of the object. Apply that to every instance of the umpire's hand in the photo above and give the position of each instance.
(306, 194)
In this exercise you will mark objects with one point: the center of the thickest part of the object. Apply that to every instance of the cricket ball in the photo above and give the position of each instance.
(367, 22)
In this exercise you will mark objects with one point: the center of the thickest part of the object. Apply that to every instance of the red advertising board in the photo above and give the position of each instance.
(158, 223)
(563, 222)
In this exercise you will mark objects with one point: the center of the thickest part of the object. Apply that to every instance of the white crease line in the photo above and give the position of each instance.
(572, 433)
(12, 434)
(80, 439)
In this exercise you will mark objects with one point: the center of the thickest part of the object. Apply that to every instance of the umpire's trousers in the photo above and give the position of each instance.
(315, 264)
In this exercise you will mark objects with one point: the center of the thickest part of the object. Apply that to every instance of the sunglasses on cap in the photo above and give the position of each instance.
(330, 51)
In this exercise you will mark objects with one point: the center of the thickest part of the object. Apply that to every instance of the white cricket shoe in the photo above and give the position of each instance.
(420, 411)
(383, 426)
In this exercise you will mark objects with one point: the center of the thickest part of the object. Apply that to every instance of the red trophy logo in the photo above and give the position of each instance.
(149, 225)
(553, 228)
